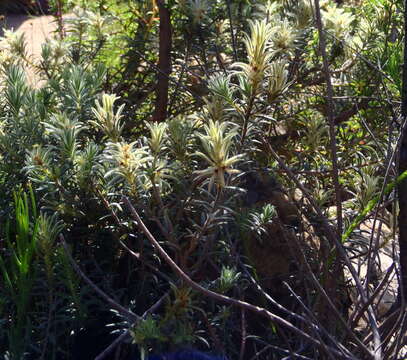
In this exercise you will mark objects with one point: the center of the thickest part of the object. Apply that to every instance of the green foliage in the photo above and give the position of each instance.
(30, 241)
(257, 221)
(18, 271)
(228, 279)
(147, 330)
(246, 133)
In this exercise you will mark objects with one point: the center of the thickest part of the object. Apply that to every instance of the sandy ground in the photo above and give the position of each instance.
(36, 30)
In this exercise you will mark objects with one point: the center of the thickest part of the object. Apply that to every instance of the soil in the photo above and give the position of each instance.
(36, 29)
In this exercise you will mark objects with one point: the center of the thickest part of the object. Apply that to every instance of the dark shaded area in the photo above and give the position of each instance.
(186, 355)
(24, 7)
(11, 22)
(90, 340)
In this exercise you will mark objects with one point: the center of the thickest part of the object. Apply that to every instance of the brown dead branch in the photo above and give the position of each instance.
(164, 63)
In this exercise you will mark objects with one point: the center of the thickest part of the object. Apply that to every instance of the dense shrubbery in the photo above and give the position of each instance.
(269, 184)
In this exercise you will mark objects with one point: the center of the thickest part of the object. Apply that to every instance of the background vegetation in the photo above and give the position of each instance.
(219, 175)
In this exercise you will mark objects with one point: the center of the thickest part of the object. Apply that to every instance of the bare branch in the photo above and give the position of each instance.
(331, 120)
(121, 309)
(219, 297)
(164, 63)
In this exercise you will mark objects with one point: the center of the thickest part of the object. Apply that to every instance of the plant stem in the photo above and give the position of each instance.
(402, 168)
(232, 35)
(164, 63)
(331, 122)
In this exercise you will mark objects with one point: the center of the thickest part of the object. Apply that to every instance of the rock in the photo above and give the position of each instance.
(383, 263)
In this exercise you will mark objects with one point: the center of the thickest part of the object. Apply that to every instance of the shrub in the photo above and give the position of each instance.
(258, 186)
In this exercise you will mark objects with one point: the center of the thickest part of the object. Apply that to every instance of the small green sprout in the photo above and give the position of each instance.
(337, 21)
(198, 10)
(284, 38)
(127, 161)
(157, 136)
(228, 278)
(106, 119)
(258, 220)
(277, 81)
(217, 144)
(258, 53)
